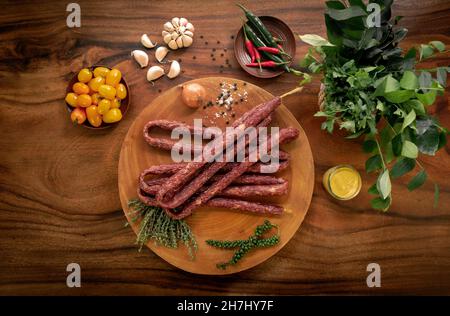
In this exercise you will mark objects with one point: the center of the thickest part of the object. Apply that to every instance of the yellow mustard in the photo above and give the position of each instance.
(343, 182)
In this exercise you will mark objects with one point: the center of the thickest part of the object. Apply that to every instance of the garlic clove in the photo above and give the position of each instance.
(160, 53)
(180, 42)
(154, 73)
(164, 33)
(189, 33)
(168, 26)
(176, 22)
(187, 40)
(190, 27)
(145, 40)
(174, 35)
(181, 29)
(167, 38)
(172, 44)
(183, 21)
(174, 69)
(141, 57)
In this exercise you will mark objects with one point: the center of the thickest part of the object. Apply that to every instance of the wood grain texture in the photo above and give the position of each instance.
(59, 200)
(218, 223)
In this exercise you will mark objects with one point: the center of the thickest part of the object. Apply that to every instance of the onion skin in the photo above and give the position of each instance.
(193, 95)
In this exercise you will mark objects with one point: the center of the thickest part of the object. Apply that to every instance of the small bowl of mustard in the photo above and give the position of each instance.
(343, 182)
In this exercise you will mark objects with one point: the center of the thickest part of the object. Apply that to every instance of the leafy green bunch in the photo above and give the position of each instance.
(371, 88)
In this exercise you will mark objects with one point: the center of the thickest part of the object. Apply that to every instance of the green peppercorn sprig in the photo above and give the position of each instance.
(254, 241)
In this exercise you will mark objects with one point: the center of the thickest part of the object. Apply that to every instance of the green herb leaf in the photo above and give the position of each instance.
(438, 45)
(384, 184)
(441, 76)
(425, 79)
(409, 149)
(427, 98)
(355, 135)
(416, 105)
(359, 3)
(409, 119)
(345, 14)
(399, 96)
(385, 136)
(389, 153)
(373, 163)
(373, 189)
(436, 195)
(417, 181)
(428, 136)
(402, 166)
(442, 140)
(369, 146)
(397, 144)
(409, 81)
(388, 84)
(315, 40)
(381, 204)
(425, 51)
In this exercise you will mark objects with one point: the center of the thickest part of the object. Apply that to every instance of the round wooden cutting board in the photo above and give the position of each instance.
(214, 223)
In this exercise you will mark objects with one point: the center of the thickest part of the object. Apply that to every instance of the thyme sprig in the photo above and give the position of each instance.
(254, 241)
(157, 225)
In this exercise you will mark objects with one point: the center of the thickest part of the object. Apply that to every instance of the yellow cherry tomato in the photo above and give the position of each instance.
(121, 91)
(103, 106)
(71, 99)
(113, 77)
(78, 116)
(95, 83)
(107, 91)
(93, 117)
(80, 88)
(112, 116)
(84, 75)
(96, 98)
(101, 72)
(115, 104)
(84, 100)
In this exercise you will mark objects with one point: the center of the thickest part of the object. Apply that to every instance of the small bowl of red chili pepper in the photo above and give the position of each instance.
(264, 46)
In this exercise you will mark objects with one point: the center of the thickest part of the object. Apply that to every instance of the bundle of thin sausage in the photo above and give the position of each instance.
(181, 188)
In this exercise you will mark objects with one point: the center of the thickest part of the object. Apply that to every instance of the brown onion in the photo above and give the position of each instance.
(193, 95)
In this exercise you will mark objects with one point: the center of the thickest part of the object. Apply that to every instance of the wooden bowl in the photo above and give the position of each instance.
(123, 105)
(278, 29)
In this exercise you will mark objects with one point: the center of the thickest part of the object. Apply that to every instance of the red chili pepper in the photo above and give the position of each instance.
(268, 64)
(250, 47)
(273, 50)
(256, 56)
(280, 47)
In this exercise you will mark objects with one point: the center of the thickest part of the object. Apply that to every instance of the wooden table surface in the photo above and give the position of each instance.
(59, 199)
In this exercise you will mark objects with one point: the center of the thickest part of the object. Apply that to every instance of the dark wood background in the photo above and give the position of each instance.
(59, 199)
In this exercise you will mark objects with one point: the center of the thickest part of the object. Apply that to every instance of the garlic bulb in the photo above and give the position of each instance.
(160, 53)
(178, 33)
(174, 69)
(141, 57)
(146, 42)
(154, 73)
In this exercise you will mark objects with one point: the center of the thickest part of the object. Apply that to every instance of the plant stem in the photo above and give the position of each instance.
(381, 154)
(291, 92)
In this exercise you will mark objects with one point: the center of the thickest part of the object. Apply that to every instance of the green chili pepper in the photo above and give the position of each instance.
(260, 27)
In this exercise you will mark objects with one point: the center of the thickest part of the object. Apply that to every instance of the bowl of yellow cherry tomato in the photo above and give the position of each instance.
(97, 97)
